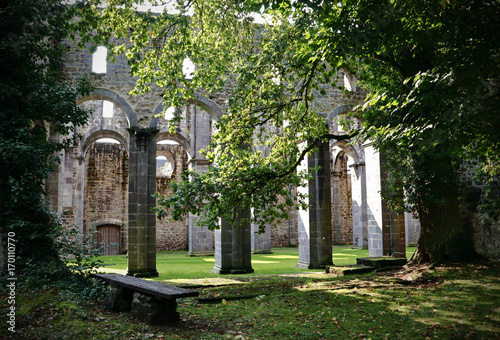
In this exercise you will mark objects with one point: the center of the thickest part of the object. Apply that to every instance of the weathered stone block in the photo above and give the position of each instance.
(119, 299)
(154, 311)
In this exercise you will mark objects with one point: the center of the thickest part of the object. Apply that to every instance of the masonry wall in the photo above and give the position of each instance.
(171, 235)
(284, 233)
(106, 187)
(341, 202)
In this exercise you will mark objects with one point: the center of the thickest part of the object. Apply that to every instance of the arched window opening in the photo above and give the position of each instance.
(107, 141)
(169, 113)
(168, 142)
(342, 232)
(349, 81)
(163, 167)
(99, 63)
(107, 109)
(188, 68)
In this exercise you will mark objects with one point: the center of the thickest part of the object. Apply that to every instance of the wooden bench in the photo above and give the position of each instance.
(152, 302)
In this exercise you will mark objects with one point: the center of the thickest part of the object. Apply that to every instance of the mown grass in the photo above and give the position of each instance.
(176, 265)
(447, 302)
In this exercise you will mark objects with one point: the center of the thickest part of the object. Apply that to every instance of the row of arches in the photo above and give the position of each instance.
(92, 185)
(118, 165)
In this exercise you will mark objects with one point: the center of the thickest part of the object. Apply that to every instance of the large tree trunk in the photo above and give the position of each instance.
(442, 235)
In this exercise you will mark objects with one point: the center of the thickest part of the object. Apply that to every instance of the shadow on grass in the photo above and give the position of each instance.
(438, 305)
(449, 302)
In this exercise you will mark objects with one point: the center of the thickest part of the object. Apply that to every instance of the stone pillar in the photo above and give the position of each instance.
(261, 243)
(142, 185)
(315, 230)
(374, 201)
(79, 191)
(200, 238)
(337, 236)
(398, 239)
(412, 229)
(359, 206)
(293, 233)
(233, 248)
(386, 230)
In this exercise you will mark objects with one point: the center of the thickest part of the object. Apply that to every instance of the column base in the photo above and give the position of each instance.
(304, 265)
(262, 252)
(225, 271)
(200, 253)
(140, 273)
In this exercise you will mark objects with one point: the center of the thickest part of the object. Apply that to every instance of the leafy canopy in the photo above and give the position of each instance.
(430, 69)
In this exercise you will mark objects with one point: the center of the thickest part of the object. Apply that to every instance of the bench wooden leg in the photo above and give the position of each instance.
(154, 311)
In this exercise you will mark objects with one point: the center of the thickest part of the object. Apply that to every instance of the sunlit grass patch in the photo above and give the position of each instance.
(177, 265)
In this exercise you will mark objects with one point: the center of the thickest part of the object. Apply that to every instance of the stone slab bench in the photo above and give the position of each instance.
(152, 302)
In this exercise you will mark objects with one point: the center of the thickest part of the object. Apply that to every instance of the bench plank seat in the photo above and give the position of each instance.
(147, 287)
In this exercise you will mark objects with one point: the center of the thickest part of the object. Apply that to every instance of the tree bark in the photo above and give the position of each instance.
(443, 237)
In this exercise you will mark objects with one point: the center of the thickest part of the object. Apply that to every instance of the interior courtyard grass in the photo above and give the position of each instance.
(177, 265)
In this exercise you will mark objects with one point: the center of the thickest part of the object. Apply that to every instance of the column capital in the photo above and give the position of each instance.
(355, 165)
(143, 132)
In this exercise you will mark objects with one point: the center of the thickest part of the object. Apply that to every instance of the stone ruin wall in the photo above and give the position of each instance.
(106, 187)
(341, 203)
(171, 235)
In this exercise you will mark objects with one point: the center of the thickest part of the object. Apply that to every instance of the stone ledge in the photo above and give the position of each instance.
(381, 261)
(349, 270)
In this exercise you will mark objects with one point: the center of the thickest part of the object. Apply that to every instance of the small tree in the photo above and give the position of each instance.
(35, 101)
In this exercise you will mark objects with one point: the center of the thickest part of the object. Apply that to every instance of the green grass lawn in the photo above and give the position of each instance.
(455, 301)
(177, 265)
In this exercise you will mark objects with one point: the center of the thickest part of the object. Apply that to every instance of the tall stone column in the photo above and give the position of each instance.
(200, 238)
(359, 206)
(336, 206)
(386, 230)
(79, 190)
(142, 185)
(374, 201)
(233, 248)
(412, 229)
(315, 230)
(261, 243)
(398, 237)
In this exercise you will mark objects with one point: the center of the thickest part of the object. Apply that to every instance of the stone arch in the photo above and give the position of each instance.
(209, 106)
(341, 200)
(104, 94)
(170, 159)
(351, 175)
(170, 234)
(213, 110)
(98, 132)
(337, 111)
(348, 149)
(103, 180)
(156, 115)
(176, 137)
